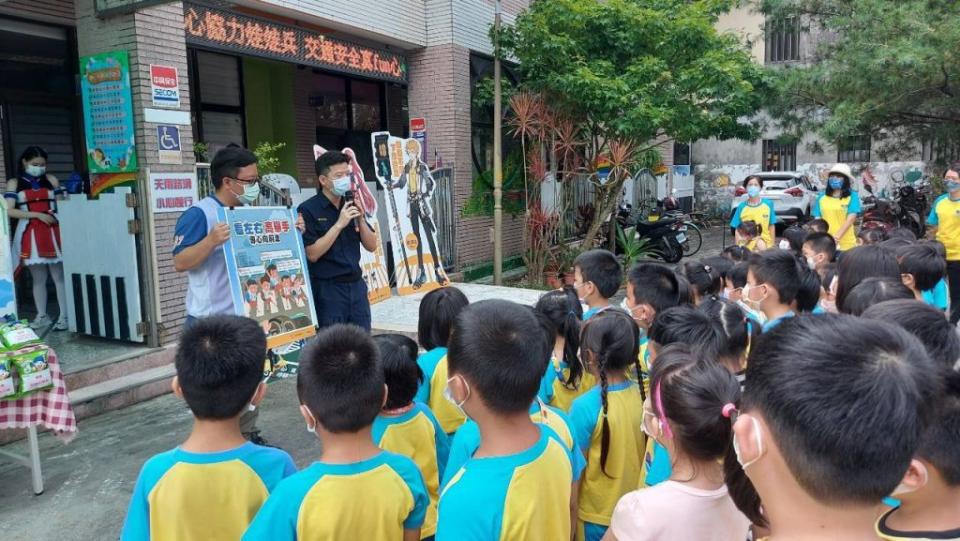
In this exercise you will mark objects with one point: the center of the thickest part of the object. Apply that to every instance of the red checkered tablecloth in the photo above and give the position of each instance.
(48, 408)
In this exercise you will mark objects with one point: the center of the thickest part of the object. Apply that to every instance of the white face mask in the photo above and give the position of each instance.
(812, 263)
(36, 170)
(759, 437)
(448, 394)
(784, 244)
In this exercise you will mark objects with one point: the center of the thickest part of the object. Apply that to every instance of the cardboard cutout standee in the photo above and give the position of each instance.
(406, 177)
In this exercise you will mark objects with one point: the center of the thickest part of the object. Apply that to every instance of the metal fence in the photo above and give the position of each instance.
(578, 204)
(443, 215)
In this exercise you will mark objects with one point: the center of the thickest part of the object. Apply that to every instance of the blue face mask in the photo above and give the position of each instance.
(753, 191)
(953, 185)
(835, 183)
(341, 186)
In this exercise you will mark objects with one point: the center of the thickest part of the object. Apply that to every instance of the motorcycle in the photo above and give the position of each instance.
(668, 235)
(907, 210)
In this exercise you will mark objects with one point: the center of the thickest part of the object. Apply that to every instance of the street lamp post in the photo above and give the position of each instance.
(497, 158)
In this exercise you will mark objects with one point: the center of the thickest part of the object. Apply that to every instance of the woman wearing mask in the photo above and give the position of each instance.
(944, 223)
(32, 200)
(839, 206)
(756, 209)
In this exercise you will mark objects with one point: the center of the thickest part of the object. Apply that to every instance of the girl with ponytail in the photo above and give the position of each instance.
(739, 333)
(606, 419)
(690, 413)
(565, 378)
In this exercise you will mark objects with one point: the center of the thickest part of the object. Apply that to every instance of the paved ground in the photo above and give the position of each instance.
(89, 482)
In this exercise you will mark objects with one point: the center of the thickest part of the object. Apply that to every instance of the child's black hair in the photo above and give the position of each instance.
(611, 339)
(690, 394)
(738, 274)
(654, 284)
(739, 331)
(750, 229)
(872, 291)
(563, 311)
(861, 263)
(868, 379)
(822, 243)
(720, 264)
(602, 269)
(927, 323)
(219, 364)
(398, 357)
(780, 270)
(737, 254)
(817, 225)
(808, 292)
(940, 444)
(687, 325)
(684, 290)
(340, 379)
(705, 279)
(491, 347)
(924, 263)
(871, 236)
(894, 244)
(795, 235)
(901, 233)
(438, 310)
(827, 274)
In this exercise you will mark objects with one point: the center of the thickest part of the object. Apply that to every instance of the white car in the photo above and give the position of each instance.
(791, 193)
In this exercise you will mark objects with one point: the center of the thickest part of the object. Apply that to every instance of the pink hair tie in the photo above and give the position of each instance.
(728, 409)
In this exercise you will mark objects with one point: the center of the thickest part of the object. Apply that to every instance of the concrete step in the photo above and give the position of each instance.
(117, 367)
(120, 392)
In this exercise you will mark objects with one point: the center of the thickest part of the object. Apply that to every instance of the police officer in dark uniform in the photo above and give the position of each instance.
(334, 230)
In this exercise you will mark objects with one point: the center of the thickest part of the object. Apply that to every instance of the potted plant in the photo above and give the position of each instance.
(566, 255)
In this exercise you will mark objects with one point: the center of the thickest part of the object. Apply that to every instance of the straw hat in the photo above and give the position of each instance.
(841, 169)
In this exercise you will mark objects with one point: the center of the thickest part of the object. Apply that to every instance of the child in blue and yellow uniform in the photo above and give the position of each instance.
(819, 472)
(839, 206)
(355, 490)
(519, 482)
(212, 485)
(406, 427)
(438, 310)
(773, 282)
(606, 420)
(564, 379)
(749, 234)
(597, 277)
(921, 267)
(651, 289)
(929, 495)
(757, 210)
(944, 222)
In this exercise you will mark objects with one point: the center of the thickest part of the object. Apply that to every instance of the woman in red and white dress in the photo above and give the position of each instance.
(32, 200)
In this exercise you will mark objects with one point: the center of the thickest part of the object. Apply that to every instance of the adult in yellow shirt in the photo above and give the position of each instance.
(756, 209)
(839, 206)
(944, 222)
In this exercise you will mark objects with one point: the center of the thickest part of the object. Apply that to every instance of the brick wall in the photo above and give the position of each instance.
(151, 36)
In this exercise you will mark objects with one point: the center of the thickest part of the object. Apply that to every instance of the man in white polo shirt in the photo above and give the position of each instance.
(198, 245)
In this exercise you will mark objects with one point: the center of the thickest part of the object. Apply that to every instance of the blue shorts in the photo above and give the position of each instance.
(341, 302)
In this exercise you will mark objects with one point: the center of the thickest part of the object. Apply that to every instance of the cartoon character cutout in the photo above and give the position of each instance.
(419, 184)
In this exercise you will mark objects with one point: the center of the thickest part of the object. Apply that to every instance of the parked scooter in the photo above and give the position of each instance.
(667, 234)
(907, 210)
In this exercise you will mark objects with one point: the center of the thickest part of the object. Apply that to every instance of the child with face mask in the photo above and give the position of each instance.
(689, 414)
(773, 281)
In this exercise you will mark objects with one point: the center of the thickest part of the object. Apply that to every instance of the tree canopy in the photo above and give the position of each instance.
(638, 69)
(887, 68)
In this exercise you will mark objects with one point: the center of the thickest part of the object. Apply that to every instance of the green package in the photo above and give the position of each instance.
(33, 370)
(17, 335)
(7, 387)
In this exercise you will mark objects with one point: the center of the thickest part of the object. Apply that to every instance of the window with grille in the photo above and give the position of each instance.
(783, 41)
(855, 148)
(681, 153)
(779, 156)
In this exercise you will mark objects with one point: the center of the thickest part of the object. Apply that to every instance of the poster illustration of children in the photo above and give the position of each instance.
(268, 294)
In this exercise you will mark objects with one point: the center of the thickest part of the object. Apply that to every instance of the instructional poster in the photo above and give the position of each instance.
(373, 265)
(267, 268)
(409, 187)
(108, 113)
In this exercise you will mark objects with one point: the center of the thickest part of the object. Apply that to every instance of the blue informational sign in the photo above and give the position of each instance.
(268, 272)
(108, 113)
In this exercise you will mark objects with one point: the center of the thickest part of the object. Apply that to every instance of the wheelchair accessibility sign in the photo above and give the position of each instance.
(168, 144)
